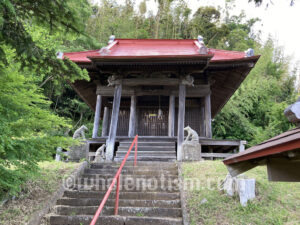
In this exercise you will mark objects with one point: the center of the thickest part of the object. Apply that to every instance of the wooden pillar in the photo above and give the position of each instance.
(105, 122)
(113, 123)
(171, 116)
(202, 118)
(208, 117)
(132, 118)
(97, 117)
(181, 114)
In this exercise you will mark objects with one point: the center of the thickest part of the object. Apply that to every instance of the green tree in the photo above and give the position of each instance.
(255, 112)
(29, 130)
(31, 33)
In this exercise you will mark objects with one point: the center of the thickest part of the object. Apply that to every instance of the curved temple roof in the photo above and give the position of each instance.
(226, 69)
(153, 48)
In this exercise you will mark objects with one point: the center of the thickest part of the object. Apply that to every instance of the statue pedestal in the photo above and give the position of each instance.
(78, 152)
(191, 151)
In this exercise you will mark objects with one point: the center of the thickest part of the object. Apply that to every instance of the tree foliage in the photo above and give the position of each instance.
(29, 130)
(255, 111)
(31, 32)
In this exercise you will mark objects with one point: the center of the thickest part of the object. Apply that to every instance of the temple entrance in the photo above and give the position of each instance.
(151, 123)
(151, 120)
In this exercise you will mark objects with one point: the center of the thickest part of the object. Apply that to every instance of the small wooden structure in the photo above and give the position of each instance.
(154, 88)
(281, 154)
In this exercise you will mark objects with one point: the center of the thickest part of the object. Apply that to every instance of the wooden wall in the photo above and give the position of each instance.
(148, 124)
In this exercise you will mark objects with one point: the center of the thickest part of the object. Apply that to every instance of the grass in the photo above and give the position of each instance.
(275, 203)
(35, 192)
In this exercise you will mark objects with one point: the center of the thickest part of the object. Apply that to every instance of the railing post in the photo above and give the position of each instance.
(116, 179)
(135, 153)
(117, 196)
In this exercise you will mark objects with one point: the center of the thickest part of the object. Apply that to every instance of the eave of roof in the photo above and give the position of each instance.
(284, 142)
(130, 49)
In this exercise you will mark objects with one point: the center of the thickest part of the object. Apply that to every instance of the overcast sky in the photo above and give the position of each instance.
(279, 20)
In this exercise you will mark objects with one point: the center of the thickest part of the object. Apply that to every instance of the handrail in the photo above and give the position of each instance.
(116, 179)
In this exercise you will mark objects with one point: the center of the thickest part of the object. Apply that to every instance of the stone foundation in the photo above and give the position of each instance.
(78, 152)
(191, 151)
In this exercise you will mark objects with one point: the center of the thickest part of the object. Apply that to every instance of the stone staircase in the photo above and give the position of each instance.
(149, 194)
(148, 150)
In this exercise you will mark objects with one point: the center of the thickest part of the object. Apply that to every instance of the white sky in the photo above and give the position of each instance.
(279, 20)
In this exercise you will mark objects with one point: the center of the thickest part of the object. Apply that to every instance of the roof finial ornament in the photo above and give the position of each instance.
(106, 50)
(249, 52)
(202, 50)
(111, 39)
(292, 112)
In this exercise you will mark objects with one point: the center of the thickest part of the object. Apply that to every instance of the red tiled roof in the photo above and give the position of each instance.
(140, 48)
(284, 142)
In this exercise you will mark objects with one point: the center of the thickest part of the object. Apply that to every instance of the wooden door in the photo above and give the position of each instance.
(149, 124)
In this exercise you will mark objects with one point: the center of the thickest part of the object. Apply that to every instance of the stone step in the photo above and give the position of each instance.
(132, 170)
(123, 195)
(123, 211)
(141, 165)
(144, 184)
(153, 164)
(148, 154)
(153, 152)
(149, 158)
(147, 148)
(150, 139)
(127, 144)
(132, 176)
(140, 187)
(111, 220)
(125, 172)
(122, 202)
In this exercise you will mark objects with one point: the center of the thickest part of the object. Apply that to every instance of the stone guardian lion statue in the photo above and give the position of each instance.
(80, 132)
(192, 135)
(100, 155)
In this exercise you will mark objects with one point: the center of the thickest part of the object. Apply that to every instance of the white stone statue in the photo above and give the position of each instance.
(192, 135)
(100, 155)
(80, 132)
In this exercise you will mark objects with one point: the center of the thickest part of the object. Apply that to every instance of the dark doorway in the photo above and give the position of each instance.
(150, 123)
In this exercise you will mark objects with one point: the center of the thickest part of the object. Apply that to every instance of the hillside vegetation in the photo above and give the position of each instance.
(275, 203)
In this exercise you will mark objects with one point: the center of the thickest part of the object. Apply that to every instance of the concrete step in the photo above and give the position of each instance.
(123, 195)
(122, 202)
(123, 211)
(111, 220)
(149, 158)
